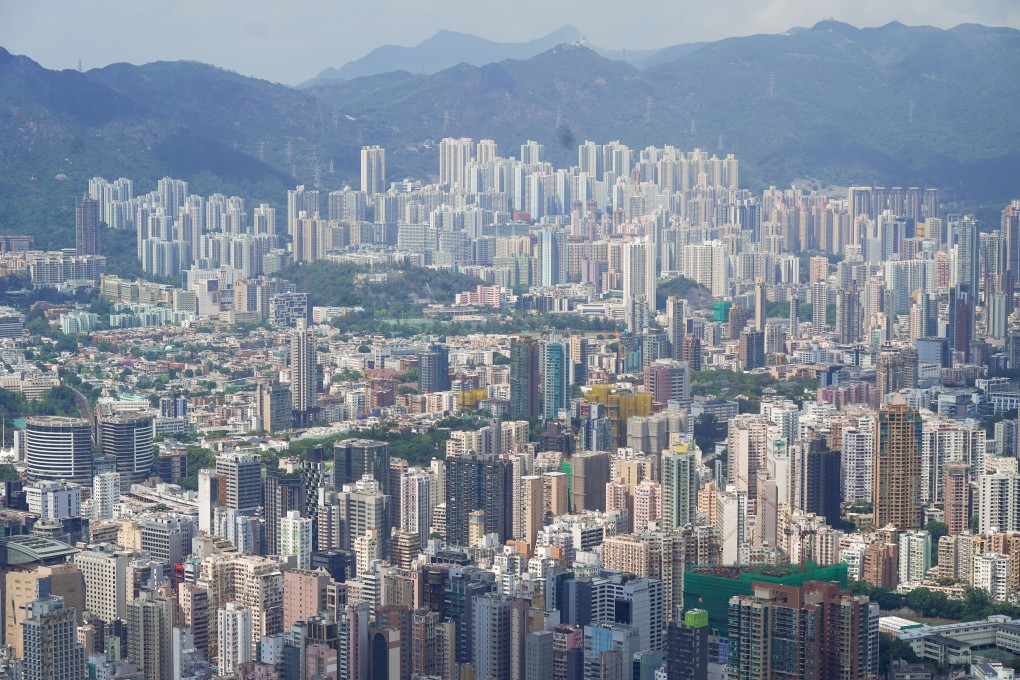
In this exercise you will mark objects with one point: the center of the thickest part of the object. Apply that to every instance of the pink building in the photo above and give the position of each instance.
(845, 395)
(647, 504)
(487, 296)
(618, 497)
(304, 595)
(320, 662)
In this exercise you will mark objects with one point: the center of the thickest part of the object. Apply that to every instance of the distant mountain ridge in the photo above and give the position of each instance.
(446, 49)
(441, 51)
(892, 105)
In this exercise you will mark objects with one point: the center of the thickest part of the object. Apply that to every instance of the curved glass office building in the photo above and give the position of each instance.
(59, 448)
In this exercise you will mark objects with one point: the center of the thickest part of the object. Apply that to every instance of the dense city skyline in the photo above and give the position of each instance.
(460, 379)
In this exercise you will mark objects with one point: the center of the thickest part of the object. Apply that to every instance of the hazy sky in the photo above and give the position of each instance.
(292, 40)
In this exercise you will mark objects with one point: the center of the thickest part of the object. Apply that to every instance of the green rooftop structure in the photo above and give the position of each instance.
(710, 588)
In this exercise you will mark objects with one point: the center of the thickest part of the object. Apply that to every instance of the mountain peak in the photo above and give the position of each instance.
(840, 27)
(443, 49)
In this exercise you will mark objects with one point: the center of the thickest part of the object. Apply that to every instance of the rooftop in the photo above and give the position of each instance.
(29, 550)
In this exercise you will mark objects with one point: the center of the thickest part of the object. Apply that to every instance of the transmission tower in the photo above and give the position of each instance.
(648, 110)
(262, 151)
(316, 174)
(772, 85)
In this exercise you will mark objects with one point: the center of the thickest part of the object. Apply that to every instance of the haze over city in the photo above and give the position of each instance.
(553, 341)
(291, 42)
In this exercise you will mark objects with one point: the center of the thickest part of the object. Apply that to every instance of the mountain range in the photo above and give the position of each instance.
(835, 104)
(449, 48)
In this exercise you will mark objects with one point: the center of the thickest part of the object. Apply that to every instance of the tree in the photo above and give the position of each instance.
(707, 431)
(8, 473)
(39, 326)
(890, 648)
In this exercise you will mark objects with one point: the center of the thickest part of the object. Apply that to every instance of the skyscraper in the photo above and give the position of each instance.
(679, 490)
(1010, 228)
(555, 377)
(355, 458)
(58, 448)
(274, 407)
(149, 626)
(675, 323)
(86, 221)
(303, 373)
(815, 630)
(524, 393)
(687, 646)
(52, 651)
(538, 655)
(751, 349)
(956, 496)
(819, 305)
(491, 636)
(849, 315)
(553, 257)
(963, 303)
(590, 472)
(794, 317)
(609, 650)
(282, 492)
(364, 508)
(296, 538)
(300, 200)
(454, 155)
(373, 170)
(242, 474)
(128, 439)
(668, 380)
(760, 304)
(478, 483)
(639, 275)
(897, 469)
(233, 627)
(434, 369)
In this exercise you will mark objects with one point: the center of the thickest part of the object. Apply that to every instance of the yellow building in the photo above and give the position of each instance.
(619, 407)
